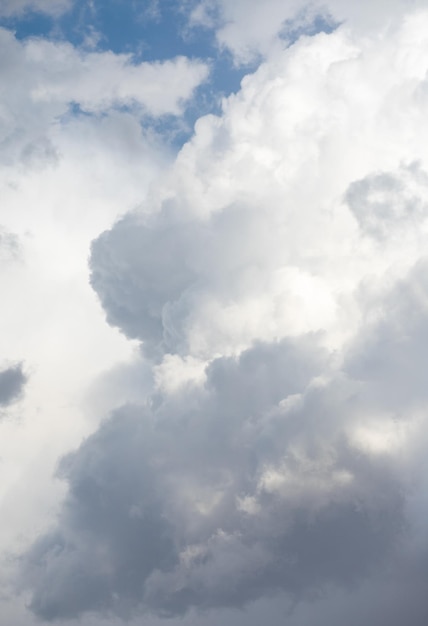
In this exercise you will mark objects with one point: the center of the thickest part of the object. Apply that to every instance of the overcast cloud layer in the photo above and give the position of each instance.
(245, 440)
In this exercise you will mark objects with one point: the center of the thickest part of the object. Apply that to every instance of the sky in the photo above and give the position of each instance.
(214, 312)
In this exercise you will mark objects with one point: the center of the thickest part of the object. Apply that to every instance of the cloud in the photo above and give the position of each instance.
(12, 382)
(184, 273)
(386, 204)
(44, 80)
(18, 7)
(65, 176)
(275, 276)
(280, 472)
(392, 343)
(249, 30)
(250, 478)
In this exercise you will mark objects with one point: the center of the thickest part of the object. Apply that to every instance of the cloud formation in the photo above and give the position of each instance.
(249, 195)
(43, 80)
(249, 30)
(252, 477)
(12, 382)
(276, 279)
(386, 204)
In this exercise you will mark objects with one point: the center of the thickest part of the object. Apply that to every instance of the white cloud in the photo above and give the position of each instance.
(43, 79)
(271, 438)
(249, 28)
(65, 178)
(275, 211)
(276, 277)
(101, 80)
(18, 7)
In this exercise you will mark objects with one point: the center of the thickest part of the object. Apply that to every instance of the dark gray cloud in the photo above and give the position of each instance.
(12, 382)
(111, 531)
(211, 497)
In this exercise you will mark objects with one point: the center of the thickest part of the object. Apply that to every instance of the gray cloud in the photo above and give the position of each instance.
(111, 533)
(219, 494)
(287, 468)
(389, 356)
(136, 271)
(47, 79)
(247, 31)
(286, 471)
(387, 201)
(165, 279)
(12, 382)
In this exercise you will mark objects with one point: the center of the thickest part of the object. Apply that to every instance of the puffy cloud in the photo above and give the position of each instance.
(248, 29)
(100, 80)
(65, 176)
(43, 80)
(12, 382)
(252, 477)
(276, 277)
(385, 204)
(280, 472)
(315, 142)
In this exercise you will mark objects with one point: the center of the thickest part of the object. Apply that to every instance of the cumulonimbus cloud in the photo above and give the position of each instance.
(285, 254)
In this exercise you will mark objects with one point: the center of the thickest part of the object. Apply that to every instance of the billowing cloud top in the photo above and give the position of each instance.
(255, 232)
(265, 445)
(249, 28)
(276, 279)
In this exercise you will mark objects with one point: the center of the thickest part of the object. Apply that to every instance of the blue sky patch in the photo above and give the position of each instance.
(149, 31)
(153, 30)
